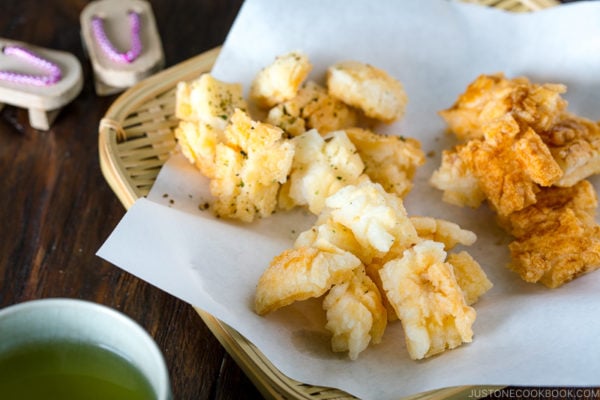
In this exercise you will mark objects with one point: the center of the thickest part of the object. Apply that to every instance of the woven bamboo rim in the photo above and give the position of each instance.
(135, 140)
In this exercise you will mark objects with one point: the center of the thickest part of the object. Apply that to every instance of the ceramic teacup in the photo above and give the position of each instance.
(59, 320)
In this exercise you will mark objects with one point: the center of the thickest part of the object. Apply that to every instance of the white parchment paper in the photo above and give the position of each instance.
(524, 334)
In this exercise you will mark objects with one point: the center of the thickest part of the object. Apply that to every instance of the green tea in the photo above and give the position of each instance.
(64, 370)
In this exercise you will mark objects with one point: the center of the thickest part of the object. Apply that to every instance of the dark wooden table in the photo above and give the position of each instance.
(56, 208)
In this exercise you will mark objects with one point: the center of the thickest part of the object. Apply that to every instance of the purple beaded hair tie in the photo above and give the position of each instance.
(108, 48)
(54, 73)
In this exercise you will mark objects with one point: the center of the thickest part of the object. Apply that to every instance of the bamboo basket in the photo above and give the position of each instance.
(136, 138)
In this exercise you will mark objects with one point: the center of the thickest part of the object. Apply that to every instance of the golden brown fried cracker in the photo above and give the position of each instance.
(368, 88)
(557, 239)
(389, 160)
(377, 219)
(208, 100)
(320, 167)
(470, 276)
(446, 232)
(459, 184)
(575, 144)
(428, 300)
(490, 97)
(552, 202)
(250, 165)
(510, 165)
(299, 274)
(557, 257)
(312, 108)
(355, 314)
(280, 80)
(198, 143)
